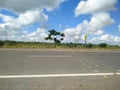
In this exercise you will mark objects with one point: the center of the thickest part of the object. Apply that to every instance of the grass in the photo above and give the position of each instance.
(14, 44)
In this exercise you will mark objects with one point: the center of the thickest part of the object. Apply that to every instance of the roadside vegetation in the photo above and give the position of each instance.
(19, 44)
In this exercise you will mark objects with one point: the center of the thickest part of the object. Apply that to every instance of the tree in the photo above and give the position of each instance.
(1, 43)
(89, 45)
(102, 45)
(56, 36)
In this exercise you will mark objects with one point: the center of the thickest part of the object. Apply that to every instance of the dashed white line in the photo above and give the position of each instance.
(49, 56)
(118, 73)
(57, 75)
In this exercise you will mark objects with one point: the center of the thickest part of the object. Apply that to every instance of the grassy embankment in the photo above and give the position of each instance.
(14, 44)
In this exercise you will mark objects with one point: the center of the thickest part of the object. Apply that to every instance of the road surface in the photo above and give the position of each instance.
(32, 69)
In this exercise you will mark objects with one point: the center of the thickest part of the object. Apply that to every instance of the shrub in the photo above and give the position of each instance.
(102, 45)
(71, 45)
(89, 45)
(10, 43)
(1, 43)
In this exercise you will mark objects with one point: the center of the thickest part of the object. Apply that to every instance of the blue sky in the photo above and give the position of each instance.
(28, 20)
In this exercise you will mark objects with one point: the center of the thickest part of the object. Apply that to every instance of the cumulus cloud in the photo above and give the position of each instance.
(38, 35)
(11, 26)
(24, 5)
(99, 32)
(73, 34)
(29, 12)
(30, 17)
(6, 18)
(97, 22)
(100, 18)
(26, 18)
(92, 27)
(94, 6)
(106, 38)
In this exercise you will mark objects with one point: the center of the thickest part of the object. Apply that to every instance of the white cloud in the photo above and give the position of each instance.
(99, 32)
(38, 35)
(24, 5)
(31, 17)
(29, 12)
(100, 19)
(106, 38)
(73, 34)
(6, 18)
(97, 22)
(94, 6)
(92, 27)
(20, 35)
(26, 18)
(11, 27)
(119, 27)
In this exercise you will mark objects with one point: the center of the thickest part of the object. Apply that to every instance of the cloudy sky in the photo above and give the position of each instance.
(28, 20)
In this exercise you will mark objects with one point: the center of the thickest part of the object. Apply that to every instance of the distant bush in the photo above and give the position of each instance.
(89, 45)
(102, 45)
(71, 45)
(1, 43)
(10, 43)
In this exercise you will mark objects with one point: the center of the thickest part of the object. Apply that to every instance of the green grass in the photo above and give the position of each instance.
(14, 44)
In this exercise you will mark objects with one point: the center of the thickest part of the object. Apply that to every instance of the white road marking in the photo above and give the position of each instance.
(118, 73)
(57, 75)
(50, 56)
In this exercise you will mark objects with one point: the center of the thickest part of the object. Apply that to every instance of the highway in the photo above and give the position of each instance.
(39, 69)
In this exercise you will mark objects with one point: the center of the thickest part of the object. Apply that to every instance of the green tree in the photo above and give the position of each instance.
(89, 45)
(102, 45)
(56, 36)
(1, 43)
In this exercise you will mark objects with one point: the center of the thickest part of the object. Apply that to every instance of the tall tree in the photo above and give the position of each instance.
(56, 36)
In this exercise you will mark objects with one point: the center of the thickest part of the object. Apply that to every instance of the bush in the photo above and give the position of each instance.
(1, 43)
(102, 45)
(10, 43)
(71, 45)
(89, 45)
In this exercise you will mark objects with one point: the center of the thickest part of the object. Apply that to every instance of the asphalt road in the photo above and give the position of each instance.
(29, 69)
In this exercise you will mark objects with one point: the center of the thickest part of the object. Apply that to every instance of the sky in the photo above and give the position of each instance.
(28, 20)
